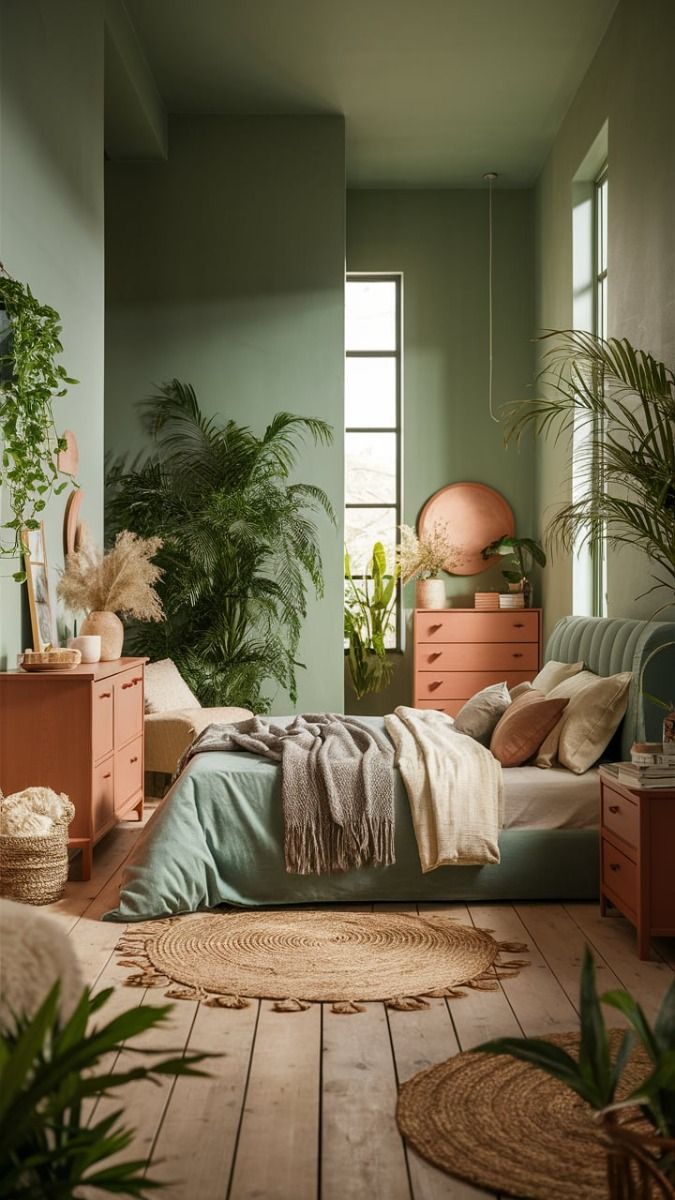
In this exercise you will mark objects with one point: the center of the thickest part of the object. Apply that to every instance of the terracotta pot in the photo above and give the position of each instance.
(430, 593)
(111, 631)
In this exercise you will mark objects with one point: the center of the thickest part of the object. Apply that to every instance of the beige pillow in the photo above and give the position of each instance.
(520, 689)
(165, 688)
(553, 673)
(523, 727)
(596, 707)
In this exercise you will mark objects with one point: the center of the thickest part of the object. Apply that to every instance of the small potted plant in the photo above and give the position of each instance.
(516, 549)
(119, 581)
(423, 558)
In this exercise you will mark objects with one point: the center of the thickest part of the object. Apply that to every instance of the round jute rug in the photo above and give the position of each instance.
(302, 956)
(508, 1127)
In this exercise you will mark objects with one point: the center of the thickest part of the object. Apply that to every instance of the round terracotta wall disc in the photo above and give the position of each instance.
(475, 515)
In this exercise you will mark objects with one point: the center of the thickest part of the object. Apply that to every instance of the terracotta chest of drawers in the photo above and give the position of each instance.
(458, 651)
(637, 829)
(78, 732)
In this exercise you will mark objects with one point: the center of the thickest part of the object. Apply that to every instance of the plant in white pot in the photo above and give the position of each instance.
(423, 558)
(103, 585)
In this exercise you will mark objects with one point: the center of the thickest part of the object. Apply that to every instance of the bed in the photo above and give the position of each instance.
(218, 836)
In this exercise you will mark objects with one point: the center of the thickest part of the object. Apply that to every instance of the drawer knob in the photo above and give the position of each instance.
(107, 775)
(517, 654)
(518, 625)
(434, 684)
(134, 759)
(104, 695)
(615, 866)
(433, 657)
(138, 679)
(126, 685)
(614, 808)
(433, 628)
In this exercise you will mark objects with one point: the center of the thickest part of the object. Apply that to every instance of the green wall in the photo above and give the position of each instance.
(225, 268)
(629, 85)
(439, 240)
(51, 228)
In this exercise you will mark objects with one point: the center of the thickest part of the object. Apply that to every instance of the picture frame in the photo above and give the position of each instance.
(42, 613)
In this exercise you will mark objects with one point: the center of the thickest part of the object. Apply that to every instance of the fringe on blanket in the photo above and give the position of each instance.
(135, 941)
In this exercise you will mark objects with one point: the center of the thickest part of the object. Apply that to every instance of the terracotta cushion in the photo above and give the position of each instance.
(520, 732)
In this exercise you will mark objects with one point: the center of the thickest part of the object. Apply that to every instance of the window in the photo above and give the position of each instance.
(589, 241)
(599, 545)
(373, 421)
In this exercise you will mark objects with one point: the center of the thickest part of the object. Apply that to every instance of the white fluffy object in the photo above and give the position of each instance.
(35, 953)
(35, 812)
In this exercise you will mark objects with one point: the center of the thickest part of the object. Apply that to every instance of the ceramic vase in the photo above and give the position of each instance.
(111, 631)
(430, 593)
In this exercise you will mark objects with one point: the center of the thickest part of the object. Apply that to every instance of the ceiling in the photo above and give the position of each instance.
(434, 92)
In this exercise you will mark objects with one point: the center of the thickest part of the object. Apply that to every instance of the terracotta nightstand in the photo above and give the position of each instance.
(637, 864)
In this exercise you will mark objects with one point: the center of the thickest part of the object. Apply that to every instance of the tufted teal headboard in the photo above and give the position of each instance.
(611, 644)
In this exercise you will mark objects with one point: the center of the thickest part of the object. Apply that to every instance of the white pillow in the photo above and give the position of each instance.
(552, 673)
(479, 716)
(596, 707)
(165, 688)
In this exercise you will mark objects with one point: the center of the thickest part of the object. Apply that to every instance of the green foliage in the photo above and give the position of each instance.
(368, 617)
(517, 548)
(47, 1076)
(240, 545)
(30, 379)
(594, 1076)
(622, 401)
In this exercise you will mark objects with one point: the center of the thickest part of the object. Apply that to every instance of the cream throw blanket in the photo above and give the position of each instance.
(454, 787)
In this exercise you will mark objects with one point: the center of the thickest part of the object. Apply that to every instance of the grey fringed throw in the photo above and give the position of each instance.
(337, 787)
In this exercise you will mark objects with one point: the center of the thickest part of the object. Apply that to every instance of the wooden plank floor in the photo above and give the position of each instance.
(300, 1106)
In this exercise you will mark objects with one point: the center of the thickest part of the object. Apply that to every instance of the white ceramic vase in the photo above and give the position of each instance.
(111, 631)
(430, 593)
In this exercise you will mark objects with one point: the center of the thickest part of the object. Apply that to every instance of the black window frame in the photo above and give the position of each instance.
(395, 277)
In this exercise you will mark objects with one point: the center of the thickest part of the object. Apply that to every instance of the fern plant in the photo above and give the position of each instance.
(48, 1073)
(240, 544)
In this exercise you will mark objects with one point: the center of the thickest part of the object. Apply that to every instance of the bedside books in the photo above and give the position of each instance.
(638, 775)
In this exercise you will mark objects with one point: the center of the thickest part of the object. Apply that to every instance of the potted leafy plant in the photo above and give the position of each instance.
(516, 550)
(422, 558)
(30, 378)
(49, 1146)
(640, 1163)
(369, 617)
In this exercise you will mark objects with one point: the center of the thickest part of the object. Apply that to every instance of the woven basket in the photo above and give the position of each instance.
(34, 870)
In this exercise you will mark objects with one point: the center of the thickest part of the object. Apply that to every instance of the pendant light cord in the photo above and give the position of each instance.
(491, 176)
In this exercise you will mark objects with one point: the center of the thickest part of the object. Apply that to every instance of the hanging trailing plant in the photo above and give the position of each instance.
(30, 379)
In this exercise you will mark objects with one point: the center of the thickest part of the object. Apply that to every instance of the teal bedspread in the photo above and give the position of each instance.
(218, 839)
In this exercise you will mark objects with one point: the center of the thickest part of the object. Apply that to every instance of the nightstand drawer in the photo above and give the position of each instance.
(128, 693)
(479, 656)
(436, 625)
(619, 876)
(620, 816)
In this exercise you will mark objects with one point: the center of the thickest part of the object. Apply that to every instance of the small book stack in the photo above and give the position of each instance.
(651, 766)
